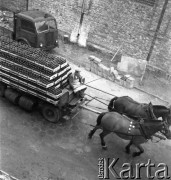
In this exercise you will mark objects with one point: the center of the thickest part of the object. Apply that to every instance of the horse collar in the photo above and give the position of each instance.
(139, 125)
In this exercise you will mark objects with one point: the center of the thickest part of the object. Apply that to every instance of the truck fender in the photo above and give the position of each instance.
(24, 41)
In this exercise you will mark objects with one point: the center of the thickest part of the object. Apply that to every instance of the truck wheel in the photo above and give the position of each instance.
(12, 95)
(51, 113)
(2, 89)
(26, 103)
(24, 42)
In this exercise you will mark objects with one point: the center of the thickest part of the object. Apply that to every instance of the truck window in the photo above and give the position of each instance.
(45, 25)
(41, 26)
(27, 25)
(51, 24)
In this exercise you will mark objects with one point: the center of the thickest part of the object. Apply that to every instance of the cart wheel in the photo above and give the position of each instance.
(51, 113)
(12, 95)
(2, 89)
(26, 103)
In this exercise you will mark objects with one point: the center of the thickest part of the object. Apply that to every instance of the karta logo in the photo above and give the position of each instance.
(107, 170)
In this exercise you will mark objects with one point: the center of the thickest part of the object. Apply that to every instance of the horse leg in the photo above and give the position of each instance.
(164, 118)
(92, 132)
(128, 147)
(138, 153)
(102, 135)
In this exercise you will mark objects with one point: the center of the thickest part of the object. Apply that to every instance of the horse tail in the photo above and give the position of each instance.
(111, 104)
(99, 118)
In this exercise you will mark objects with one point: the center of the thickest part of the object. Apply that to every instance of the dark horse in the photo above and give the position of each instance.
(129, 129)
(129, 107)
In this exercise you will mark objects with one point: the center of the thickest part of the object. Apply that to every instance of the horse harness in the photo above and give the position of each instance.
(141, 126)
(149, 111)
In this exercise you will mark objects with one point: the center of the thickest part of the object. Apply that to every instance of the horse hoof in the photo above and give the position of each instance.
(127, 151)
(90, 134)
(135, 154)
(89, 137)
(104, 147)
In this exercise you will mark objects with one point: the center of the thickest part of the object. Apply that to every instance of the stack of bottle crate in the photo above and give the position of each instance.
(32, 70)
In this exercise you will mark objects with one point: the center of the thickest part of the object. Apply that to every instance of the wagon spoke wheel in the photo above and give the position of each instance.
(2, 89)
(51, 113)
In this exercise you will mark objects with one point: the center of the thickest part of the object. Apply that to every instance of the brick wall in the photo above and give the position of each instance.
(132, 25)
(121, 23)
(13, 5)
(63, 10)
(115, 23)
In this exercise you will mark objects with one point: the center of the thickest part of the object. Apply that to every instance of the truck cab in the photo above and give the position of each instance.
(36, 28)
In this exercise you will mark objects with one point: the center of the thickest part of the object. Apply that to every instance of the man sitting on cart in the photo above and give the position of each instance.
(76, 82)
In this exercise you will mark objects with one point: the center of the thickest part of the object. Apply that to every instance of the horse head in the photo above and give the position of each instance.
(166, 129)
